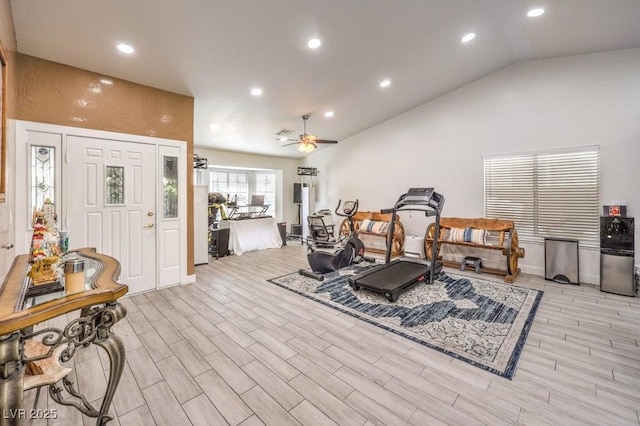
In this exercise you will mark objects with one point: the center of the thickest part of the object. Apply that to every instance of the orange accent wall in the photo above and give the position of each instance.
(49, 92)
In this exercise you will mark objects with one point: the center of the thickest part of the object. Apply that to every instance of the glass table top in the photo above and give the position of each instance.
(91, 268)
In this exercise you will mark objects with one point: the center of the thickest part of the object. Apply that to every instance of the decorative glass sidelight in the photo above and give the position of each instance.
(169, 187)
(114, 185)
(43, 174)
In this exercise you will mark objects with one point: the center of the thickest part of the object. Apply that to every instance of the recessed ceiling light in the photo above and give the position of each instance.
(256, 91)
(125, 48)
(328, 114)
(214, 126)
(468, 37)
(314, 43)
(533, 13)
(385, 83)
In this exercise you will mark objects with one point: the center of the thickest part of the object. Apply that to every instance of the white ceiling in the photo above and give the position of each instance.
(217, 50)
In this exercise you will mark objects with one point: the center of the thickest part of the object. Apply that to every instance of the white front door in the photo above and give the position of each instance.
(111, 204)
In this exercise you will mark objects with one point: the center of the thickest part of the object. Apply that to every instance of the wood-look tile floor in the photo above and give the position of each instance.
(235, 349)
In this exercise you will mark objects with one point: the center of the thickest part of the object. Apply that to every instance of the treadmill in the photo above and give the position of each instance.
(392, 278)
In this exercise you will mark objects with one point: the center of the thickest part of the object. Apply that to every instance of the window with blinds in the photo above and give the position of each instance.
(546, 194)
(231, 184)
(266, 184)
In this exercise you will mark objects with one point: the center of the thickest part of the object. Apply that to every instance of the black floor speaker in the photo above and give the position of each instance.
(219, 246)
(297, 193)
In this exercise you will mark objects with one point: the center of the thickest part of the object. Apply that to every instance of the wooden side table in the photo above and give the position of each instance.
(99, 312)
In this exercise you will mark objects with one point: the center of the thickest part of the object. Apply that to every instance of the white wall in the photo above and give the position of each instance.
(286, 210)
(545, 104)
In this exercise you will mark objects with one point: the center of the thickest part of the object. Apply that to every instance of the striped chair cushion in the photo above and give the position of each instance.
(477, 236)
(375, 227)
(468, 235)
(456, 235)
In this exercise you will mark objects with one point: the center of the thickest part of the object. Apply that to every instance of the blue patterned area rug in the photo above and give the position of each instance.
(484, 323)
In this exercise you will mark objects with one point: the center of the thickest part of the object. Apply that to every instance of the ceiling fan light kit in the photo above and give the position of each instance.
(306, 145)
(306, 142)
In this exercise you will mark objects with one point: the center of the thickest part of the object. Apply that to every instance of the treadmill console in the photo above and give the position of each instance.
(422, 197)
(418, 195)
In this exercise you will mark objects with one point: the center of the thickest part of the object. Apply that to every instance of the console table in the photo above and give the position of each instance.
(99, 311)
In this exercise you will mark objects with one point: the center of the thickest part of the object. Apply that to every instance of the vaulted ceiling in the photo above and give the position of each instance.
(219, 50)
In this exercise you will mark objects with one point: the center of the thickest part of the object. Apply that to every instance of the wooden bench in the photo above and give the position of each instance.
(376, 242)
(501, 235)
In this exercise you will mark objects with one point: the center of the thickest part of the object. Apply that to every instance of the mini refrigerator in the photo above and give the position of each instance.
(617, 257)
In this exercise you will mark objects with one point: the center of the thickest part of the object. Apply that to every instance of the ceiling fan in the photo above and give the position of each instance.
(306, 141)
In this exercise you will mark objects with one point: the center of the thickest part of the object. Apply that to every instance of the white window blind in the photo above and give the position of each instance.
(547, 194)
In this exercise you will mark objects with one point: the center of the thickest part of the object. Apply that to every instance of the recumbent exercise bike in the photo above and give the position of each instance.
(321, 236)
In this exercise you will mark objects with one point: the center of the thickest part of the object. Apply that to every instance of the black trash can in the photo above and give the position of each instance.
(282, 227)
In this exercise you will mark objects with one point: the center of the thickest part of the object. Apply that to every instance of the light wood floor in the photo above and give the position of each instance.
(234, 349)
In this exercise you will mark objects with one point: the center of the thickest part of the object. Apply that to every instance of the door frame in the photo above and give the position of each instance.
(22, 225)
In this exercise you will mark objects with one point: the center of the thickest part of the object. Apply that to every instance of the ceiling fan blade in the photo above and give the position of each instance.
(287, 140)
(324, 141)
(287, 144)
